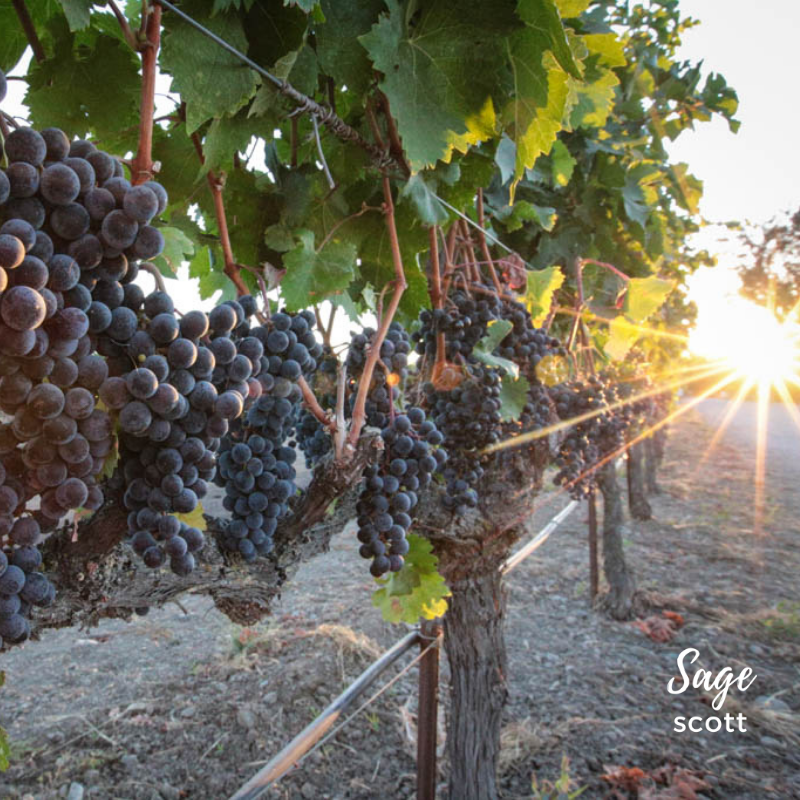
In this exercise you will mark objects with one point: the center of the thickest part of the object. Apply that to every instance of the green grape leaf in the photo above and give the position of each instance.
(572, 8)
(645, 296)
(687, 189)
(77, 13)
(455, 109)
(229, 135)
(513, 397)
(495, 333)
(312, 276)
(484, 350)
(279, 237)
(542, 16)
(542, 286)
(622, 335)
(178, 247)
(13, 41)
(422, 198)
(593, 100)
(210, 80)
(417, 590)
(609, 48)
(338, 57)
(180, 165)
(194, 519)
(562, 164)
(64, 91)
(514, 217)
(210, 279)
(539, 101)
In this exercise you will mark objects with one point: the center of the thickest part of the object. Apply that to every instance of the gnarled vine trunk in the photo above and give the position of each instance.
(476, 652)
(651, 464)
(619, 599)
(637, 495)
(472, 550)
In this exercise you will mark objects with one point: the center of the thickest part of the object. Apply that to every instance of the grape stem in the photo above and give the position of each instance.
(310, 399)
(484, 246)
(215, 184)
(142, 167)
(436, 292)
(157, 276)
(127, 33)
(395, 145)
(606, 265)
(30, 31)
(359, 409)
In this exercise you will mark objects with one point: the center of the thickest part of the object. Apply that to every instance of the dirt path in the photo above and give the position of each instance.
(186, 705)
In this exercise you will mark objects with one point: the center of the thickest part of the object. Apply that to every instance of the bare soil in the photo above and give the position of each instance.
(183, 704)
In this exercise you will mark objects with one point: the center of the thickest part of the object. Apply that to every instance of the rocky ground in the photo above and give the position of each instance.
(182, 704)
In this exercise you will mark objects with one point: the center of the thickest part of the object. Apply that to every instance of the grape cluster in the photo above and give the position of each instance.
(21, 584)
(174, 405)
(464, 323)
(469, 418)
(54, 246)
(525, 344)
(389, 375)
(589, 440)
(389, 491)
(256, 466)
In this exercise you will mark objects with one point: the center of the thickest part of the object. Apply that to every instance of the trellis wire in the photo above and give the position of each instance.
(305, 104)
(517, 558)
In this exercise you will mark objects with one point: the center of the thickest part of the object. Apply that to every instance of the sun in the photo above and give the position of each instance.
(748, 339)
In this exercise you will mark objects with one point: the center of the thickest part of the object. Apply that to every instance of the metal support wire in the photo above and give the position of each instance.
(305, 104)
(540, 538)
(309, 738)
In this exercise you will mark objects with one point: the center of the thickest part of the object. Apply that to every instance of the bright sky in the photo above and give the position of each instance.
(752, 175)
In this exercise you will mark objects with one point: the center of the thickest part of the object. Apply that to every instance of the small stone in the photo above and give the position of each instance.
(169, 792)
(756, 650)
(91, 776)
(768, 741)
(246, 718)
(130, 762)
(270, 698)
(770, 703)
(309, 791)
(75, 791)
(188, 712)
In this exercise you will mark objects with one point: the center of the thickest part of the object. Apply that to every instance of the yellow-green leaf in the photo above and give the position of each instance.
(622, 335)
(194, 519)
(417, 590)
(645, 296)
(542, 285)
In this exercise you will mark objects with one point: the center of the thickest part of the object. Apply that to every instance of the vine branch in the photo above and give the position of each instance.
(127, 33)
(359, 412)
(231, 268)
(310, 399)
(142, 166)
(484, 246)
(30, 31)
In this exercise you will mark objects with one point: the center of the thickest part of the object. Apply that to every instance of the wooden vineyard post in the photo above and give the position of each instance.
(428, 708)
(593, 569)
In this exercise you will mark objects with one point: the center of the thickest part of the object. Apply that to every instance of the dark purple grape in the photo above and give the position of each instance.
(59, 185)
(26, 144)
